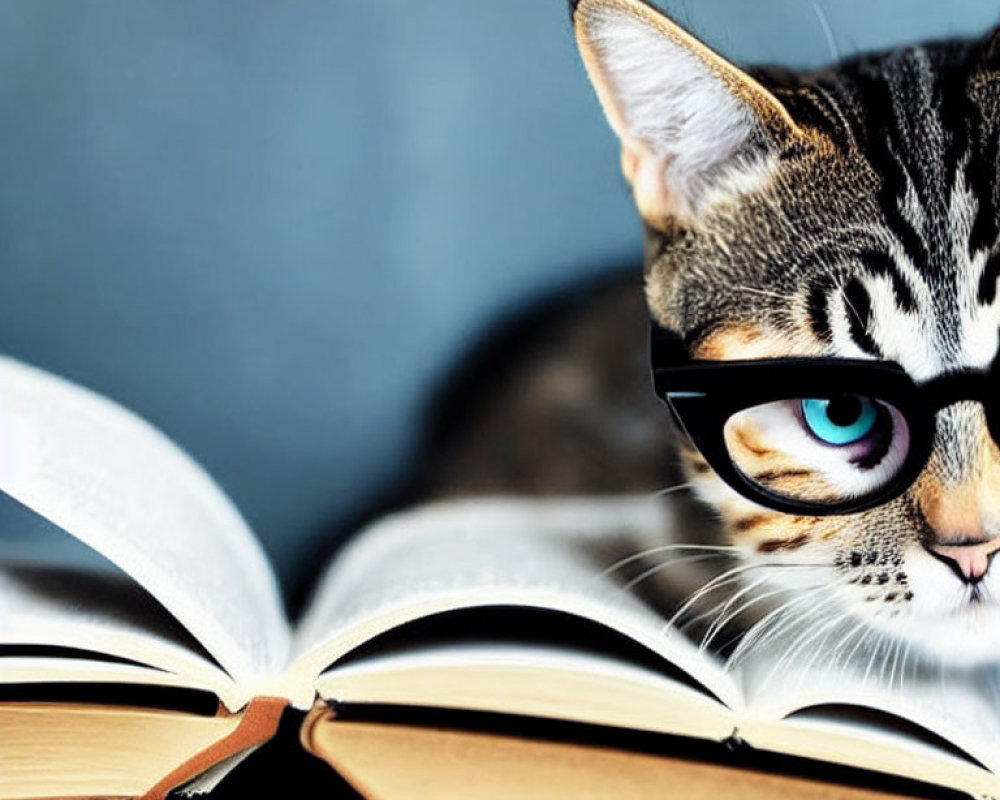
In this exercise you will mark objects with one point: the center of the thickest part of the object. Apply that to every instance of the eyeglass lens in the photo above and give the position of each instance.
(819, 450)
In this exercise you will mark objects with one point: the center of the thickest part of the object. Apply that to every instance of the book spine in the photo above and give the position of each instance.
(259, 724)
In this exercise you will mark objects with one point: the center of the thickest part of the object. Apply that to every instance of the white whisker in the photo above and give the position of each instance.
(725, 618)
(707, 588)
(774, 623)
(764, 292)
(796, 624)
(867, 634)
(722, 618)
(671, 490)
(824, 23)
(807, 636)
(666, 548)
(657, 568)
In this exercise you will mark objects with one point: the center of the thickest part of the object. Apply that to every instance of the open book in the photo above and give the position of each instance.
(168, 671)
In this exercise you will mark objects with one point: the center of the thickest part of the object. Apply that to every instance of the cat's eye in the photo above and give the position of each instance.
(813, 436)
(841, 420)
(818, 450)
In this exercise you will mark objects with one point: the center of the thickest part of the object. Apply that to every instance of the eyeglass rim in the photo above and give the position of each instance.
(700, 396)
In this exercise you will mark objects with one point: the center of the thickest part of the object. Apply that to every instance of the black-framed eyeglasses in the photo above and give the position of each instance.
(812, 436)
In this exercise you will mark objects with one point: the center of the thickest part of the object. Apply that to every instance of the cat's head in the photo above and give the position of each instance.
(849, 213)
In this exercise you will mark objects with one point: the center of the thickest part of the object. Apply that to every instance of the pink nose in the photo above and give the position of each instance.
(970, 560)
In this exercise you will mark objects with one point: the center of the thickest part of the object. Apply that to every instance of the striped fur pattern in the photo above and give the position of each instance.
(856, 216)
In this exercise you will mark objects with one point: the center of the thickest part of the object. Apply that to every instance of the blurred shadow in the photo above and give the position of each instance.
(452, 440)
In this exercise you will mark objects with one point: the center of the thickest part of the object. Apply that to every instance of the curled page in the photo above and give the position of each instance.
(101, 613)
(540, 553)
(814, 666)
(121, 487)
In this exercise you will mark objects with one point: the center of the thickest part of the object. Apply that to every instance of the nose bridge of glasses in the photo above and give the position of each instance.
(955, 387)
(979, 387)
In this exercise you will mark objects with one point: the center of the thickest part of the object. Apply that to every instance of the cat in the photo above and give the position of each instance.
(844, 214)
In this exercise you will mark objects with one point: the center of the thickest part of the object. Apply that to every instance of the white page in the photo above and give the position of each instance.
(100, 612)
(117, 484)
(535, 680)
(44, 669)
(864, 742)
(516, 552)
(790, 672)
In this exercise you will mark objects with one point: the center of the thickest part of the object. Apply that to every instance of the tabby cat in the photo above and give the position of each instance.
(836, 234)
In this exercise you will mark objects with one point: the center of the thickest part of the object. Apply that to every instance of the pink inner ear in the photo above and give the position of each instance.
(649, 187)
(683, 113)
(630, 164)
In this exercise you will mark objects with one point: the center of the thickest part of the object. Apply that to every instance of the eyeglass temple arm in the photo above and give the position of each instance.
(666, 347)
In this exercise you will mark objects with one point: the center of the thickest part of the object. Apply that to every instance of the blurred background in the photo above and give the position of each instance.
(271, 228)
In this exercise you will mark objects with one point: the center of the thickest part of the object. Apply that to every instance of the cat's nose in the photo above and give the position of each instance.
(968, 559)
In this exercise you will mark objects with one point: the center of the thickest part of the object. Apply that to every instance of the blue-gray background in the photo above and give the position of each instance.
(270, 227)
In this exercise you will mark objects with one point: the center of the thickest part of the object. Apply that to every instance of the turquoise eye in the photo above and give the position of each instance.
(840, 420)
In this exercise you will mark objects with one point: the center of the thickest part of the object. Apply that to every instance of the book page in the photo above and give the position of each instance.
(535, 680)
(49, 750)
(549, 554)
(117, 484)
(386, 761)
(866, 739)
(52, 612)
(23, 671)
(792, 673)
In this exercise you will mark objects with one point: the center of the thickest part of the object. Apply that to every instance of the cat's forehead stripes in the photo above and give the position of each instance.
(916, 123)
(902, 263)
(866, 319)
(854, 209)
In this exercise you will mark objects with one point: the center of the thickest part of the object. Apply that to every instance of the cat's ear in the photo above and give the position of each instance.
(990, 49)
(691, 124)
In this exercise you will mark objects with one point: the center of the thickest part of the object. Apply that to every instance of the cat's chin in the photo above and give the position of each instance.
(944, 620)
(965, 637)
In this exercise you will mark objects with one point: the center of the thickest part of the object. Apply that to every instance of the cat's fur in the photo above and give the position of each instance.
(851, 213)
